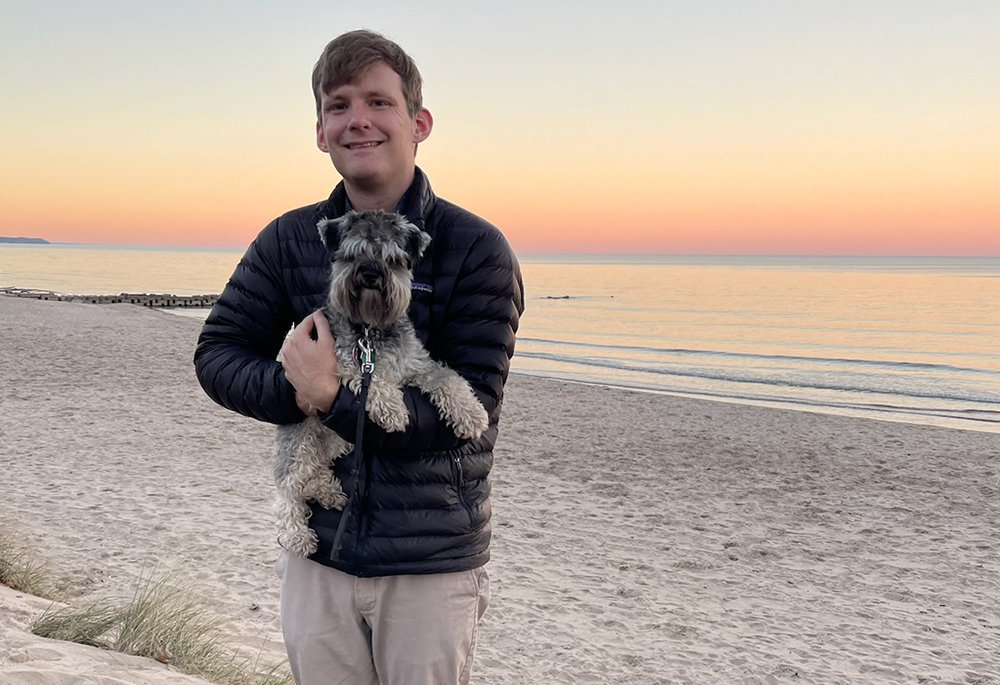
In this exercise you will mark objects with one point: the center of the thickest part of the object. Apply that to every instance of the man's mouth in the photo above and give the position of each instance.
(361, 146)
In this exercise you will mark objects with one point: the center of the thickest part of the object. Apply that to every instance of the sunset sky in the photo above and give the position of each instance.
(708, 127)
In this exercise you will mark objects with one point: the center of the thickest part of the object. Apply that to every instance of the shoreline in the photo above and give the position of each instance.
(637, 537)
(936, 420)
(191, 306)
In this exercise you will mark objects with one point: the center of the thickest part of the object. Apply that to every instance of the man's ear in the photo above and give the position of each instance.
(321, 138)
(423, 122)
(330, 232)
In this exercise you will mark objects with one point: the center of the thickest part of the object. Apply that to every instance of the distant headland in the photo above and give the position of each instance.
(30, 241)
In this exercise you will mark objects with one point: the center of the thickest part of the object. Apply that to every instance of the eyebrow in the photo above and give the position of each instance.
(368, 94)
(379, 94)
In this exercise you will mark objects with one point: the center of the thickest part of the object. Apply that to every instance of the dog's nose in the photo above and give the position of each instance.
(371, 274)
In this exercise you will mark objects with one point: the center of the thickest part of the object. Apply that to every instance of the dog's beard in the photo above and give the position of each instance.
(374, 307)
(379, 308)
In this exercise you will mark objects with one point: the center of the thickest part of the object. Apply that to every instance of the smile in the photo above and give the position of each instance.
(361, 146)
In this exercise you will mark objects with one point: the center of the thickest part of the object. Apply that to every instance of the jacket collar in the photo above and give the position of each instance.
(419, 200)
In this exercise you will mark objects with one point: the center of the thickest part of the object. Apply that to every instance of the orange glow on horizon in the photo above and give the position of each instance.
(222, 198)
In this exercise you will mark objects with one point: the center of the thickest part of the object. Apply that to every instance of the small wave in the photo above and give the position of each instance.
(739, 378)
(892, 365)
(961, 418)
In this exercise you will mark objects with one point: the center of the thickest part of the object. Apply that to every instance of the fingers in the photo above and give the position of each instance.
(311, 364)
(302, 332)
(324, 337)
(322, 326)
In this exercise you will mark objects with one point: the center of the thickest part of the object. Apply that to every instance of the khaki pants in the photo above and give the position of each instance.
(390, 630)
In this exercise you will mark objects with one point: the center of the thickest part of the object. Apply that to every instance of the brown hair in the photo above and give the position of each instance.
(351, 54)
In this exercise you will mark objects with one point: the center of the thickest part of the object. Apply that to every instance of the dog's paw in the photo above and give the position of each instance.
(301, 543)
(332, 499)
(469, 421)
(325, 489)
(472, 424)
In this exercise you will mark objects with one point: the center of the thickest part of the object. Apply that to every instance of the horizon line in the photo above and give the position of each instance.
(547, 253)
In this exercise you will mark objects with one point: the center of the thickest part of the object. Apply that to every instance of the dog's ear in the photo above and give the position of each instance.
(416, 240)
(330, 231)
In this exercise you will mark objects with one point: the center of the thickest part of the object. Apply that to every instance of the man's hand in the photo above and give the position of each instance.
(311, 365)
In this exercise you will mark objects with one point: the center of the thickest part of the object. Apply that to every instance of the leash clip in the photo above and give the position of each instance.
(365, 352)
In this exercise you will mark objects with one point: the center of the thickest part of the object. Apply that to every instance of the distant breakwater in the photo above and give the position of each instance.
(142, 299)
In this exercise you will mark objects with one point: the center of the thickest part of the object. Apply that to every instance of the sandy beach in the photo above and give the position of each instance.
(638, 538)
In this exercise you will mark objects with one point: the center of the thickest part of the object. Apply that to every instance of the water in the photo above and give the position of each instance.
(109, 270)
(903, 339)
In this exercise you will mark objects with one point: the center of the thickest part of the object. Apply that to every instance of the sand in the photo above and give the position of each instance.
(638, 538)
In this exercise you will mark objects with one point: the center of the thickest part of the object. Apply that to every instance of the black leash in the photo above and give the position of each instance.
(365, 355)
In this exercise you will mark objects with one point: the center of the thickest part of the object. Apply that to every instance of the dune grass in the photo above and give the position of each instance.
(162, 622)
(159, 621)
(21, 569)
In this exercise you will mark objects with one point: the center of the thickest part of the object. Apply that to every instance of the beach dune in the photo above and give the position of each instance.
(638, 538)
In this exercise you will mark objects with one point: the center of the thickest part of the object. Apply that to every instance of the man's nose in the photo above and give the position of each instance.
(359, 118)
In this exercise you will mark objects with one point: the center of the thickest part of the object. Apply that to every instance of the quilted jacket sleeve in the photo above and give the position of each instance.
(478, 331)
(235, 356)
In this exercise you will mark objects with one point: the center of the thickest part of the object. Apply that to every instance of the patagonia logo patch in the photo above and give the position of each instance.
(422, 287)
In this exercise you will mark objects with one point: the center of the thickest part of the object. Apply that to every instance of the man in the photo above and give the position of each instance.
(400, 602)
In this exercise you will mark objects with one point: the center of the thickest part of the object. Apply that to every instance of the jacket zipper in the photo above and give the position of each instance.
(461, 482)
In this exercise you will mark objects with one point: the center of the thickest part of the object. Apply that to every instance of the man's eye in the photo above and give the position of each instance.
(380, 103)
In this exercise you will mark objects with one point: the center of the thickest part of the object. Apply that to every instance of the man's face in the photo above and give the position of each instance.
(368, 133)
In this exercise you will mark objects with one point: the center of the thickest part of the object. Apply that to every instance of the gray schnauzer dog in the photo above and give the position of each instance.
(372, 254)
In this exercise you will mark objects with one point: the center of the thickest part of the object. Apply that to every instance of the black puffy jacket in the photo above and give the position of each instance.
(422, 503)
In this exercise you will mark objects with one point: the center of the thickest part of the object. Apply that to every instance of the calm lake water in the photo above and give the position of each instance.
(902, 339)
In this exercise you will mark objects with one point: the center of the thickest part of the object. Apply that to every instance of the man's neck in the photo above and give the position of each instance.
(385, 198)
